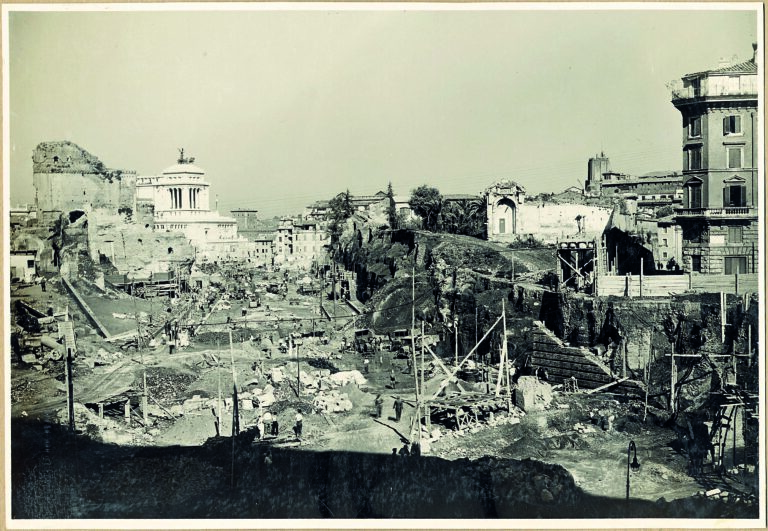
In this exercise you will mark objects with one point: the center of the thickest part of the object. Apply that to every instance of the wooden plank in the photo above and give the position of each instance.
(606, 386)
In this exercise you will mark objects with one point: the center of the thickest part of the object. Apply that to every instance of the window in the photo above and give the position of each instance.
(735, 157)
(664, 242)
(696, 85)
(732, 125)
(692, 234)
(696, 263)
(735, 196)
(30, 264)
(735, 235)
(664, 254)
(694, 158)
(694, 127)
(694, 195)
(735, 264)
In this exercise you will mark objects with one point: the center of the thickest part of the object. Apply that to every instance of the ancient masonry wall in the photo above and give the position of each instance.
(562, 361)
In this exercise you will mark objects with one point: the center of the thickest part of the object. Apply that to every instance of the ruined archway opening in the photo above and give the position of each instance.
(74, 215)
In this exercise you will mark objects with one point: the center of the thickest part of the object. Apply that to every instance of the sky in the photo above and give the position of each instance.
(283, 108)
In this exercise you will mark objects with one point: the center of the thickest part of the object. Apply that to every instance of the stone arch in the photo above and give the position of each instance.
(505, 216)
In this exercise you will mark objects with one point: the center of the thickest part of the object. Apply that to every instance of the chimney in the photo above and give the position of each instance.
(754, 52)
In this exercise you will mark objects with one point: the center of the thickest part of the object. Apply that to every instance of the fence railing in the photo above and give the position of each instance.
(664, 285)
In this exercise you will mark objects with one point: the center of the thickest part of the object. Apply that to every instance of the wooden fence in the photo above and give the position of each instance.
(665, 285)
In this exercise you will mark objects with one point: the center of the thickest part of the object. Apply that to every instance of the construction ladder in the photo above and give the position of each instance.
(720, 428)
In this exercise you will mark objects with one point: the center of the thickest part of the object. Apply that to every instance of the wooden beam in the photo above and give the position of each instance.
(443, 367)
(456, 370)
(569, 265)
(606, 386)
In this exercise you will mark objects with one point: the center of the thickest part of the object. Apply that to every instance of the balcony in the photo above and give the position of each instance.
(714, 87)
(744, 212)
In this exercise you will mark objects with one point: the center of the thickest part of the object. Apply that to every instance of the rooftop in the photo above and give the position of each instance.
(183, 168)
(745, 67)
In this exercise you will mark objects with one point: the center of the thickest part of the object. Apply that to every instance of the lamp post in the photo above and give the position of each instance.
(632, 449)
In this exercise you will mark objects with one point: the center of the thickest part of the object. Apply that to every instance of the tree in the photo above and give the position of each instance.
(340, 209)
(466, 216)
(427, 202)
(391, 211)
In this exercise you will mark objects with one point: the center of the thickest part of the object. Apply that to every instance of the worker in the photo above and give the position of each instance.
(392, 380)
(366, 366)
(404, 450)
(398, 408)
(299, 424)
(260, 427)
(415, 449)
(378, 404)
(215, 420)
(42, 284)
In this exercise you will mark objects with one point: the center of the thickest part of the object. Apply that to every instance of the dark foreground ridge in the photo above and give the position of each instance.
(56, 475)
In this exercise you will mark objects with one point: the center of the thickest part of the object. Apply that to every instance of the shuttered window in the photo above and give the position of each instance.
(694, 127)
(694, 158)
(732, 125)
(735, 264)
(694, 196)
(735, 196)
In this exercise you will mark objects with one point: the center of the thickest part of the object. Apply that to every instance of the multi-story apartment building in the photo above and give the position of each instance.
(668, 244)
(300, 240)
(719, 216)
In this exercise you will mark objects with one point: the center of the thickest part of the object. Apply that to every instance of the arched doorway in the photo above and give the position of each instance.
(506, 216)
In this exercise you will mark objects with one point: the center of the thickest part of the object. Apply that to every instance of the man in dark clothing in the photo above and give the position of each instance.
(404, 450)
(42, 284)
(398, 408)
(379, 405)
(415, 449)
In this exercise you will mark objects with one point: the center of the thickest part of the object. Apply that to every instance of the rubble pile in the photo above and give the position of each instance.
(165, 383)
(332, 402)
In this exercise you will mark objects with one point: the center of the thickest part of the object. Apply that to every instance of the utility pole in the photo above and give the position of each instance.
(70, 392)
(335, 269)
(413, 308)
(456, 340)
(673, 374)
(235, 408)
(420, 399)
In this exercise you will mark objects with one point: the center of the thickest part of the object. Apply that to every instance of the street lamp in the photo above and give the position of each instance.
(632, 449)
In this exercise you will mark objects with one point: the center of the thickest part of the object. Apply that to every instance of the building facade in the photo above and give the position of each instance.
(247, 222)
(668, 244)
(300, 241)
(719, 215)
(23, 266)
(180, 198)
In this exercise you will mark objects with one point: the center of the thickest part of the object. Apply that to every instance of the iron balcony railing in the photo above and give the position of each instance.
(714, 87)
(724, 212)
